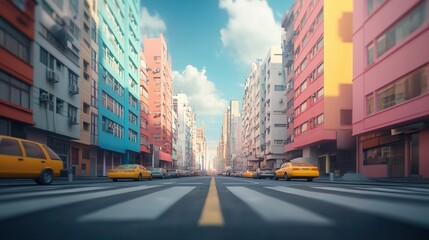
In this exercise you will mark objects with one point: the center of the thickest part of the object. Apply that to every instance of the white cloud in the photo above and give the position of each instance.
(251, 29)
(202, 92)
(151, 25)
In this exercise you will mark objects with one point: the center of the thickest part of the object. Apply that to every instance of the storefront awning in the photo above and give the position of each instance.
(165, 157)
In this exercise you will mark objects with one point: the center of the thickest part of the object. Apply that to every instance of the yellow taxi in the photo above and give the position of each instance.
(248, 174)
(297, 169)
(129, 171)
(20, 158)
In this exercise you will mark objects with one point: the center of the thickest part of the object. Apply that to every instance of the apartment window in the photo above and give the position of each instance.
(304, 127)
(72, 111)
(132, 118)
(279, 125)
(94, 128)
(370, 104)
(279, 88)
(132, 101)
(370, 54)
(157, 136)
(319, 17)
(85, 126)
(143, 123)
(111, 127)
(73, 80)
(93, 60)
(319, 119)
(144, 140)
(303, 86)
(93, 31)
(132, 135)
(15, 42)
(320, 69)
(304, 40)
(408, 87)
(14, 91)
(46, 58)
(303, 106)
(320, 93)
(113, 83)
(60, 107)
(94, 93)
(85, 107)
(303, 64)
(370, 6)
(404, 27)
(111, 104)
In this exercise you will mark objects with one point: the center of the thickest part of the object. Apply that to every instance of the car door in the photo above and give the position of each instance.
(35, 159)
(11, 158)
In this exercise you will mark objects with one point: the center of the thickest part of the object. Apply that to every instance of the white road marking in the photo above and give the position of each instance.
(147, 207)
(47, 193)
(17, 208)
(275, 210)
(392, 190)
(415, 214)
(384, 194)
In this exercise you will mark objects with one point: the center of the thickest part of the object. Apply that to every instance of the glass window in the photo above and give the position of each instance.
(370, 54)
(370, 6)
(52, 154)
(33, 150)
(370, 104)
(278, 87)
(10, 147)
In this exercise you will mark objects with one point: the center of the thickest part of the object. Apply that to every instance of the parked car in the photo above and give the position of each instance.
(129, 171)
(20, 158)
(264, 173)
(297, 169)
(174, 173)
(159, 173)
(248, 174)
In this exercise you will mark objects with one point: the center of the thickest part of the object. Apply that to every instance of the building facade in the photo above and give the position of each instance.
(323, 84)
(118, 84)
(390, 88)
(185, 121)
(16, 67)
(145, 140)
(288, 37)
(274, 122)
(55, 96)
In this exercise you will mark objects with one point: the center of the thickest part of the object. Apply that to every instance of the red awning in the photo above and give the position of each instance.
(165, 157)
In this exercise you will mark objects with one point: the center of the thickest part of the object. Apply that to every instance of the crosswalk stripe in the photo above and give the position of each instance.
(17, 208)
(384, 194)
(275, 210)
(416, 189)
(388, 190)
(46, 193)
(416, 214)
(148, 207)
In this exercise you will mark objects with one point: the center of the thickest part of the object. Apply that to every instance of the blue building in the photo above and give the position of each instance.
(118, 85)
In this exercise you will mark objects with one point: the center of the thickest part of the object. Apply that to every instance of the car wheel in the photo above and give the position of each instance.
(46, 177)
(114, 179)
(309, 179)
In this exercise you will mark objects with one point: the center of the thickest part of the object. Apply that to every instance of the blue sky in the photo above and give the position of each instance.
(212, 44)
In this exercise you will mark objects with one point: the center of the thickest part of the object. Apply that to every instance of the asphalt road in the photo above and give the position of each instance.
(213, 208)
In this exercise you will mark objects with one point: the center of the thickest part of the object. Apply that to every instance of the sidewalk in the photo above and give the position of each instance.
(353, 178)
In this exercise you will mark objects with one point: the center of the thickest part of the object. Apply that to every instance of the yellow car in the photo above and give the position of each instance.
(20, 158)
(248, 174)
(129, 171)
(297, 169)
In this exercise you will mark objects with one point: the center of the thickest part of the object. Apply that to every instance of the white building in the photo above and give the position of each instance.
(275, 115)
(185, 131)
(55, 98)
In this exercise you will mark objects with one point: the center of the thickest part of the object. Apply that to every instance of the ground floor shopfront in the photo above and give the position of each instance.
(390, 153)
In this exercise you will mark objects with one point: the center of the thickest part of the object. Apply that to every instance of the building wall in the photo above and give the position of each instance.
(160, 96)
(17, 24)
(119, 48)
(391, 122)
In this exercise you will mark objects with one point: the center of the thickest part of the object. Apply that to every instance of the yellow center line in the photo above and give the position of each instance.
(211, 214)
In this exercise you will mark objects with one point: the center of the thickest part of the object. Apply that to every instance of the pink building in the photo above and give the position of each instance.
(390, 87)
(322, 84)
(160, 100)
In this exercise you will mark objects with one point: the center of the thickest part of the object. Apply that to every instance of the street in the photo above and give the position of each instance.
(213, 208)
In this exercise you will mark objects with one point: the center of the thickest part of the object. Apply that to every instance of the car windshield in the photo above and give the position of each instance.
(154, 169)
(128, 166)
(266, 169)
(301, 164)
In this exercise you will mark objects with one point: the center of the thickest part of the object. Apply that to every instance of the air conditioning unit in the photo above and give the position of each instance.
(44, 97)
(310, 76)
(52, 76)
(313, 95)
